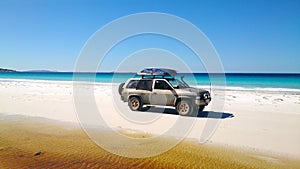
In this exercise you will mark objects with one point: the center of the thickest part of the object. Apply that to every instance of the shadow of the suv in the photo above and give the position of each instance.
(203, 114)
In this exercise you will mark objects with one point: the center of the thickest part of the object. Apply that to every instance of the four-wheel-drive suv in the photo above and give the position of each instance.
(159, 87)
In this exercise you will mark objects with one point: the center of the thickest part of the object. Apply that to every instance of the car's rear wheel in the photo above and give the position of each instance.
(184, 108)
(135, 103)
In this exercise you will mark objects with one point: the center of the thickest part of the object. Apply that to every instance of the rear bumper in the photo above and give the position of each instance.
(123, 99)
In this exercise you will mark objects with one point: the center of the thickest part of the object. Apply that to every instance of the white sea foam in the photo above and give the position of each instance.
(207, 87)
(260, 89)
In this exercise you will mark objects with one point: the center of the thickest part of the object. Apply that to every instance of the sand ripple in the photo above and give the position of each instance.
(34, 144)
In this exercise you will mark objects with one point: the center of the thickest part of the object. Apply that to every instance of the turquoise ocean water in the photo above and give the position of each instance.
(240, 80)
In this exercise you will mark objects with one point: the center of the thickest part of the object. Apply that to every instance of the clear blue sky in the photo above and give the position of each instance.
(250, 36)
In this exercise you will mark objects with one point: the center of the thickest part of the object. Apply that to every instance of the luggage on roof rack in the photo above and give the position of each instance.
(157, 72)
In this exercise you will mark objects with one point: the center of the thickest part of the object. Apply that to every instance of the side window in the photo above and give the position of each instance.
(162, 85)
(132, 84)
(144, 85)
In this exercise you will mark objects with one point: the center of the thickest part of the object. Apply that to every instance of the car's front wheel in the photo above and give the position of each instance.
(135, 103)
(184, 108)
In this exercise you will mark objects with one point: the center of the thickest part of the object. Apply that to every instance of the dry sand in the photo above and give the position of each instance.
(257, 129)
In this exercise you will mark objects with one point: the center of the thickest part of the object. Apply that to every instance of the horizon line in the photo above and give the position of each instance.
(59, 71)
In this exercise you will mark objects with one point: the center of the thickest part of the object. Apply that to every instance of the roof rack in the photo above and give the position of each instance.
(157, 72)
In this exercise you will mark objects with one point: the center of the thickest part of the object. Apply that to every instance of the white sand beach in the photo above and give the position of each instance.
(260, 121)
(267, 121)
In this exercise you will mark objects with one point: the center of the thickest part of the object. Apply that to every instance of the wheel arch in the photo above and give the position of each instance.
(130, 96)
(190, 99)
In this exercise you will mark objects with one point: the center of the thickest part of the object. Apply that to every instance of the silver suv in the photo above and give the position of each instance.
(159, 87)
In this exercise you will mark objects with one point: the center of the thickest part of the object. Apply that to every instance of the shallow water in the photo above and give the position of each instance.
(241, 80)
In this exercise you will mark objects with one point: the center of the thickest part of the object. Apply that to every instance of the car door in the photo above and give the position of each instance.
(144, 90)
(162, 93)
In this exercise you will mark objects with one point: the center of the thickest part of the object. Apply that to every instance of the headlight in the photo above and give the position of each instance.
(203, 96)
(206, 95)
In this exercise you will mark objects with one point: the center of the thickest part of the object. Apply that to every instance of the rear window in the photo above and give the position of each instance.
(132, 84)
(144, 85)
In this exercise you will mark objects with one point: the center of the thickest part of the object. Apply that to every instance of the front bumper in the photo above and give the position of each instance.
(204, 102)
(203, 99)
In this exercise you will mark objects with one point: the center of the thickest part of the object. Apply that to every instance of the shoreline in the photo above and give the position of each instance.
(221, 88)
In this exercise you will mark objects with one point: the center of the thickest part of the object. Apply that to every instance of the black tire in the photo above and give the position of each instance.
(135, 103)
(121, 88)
(184, 108)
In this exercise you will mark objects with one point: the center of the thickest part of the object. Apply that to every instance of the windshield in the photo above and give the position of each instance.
(176, 83)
